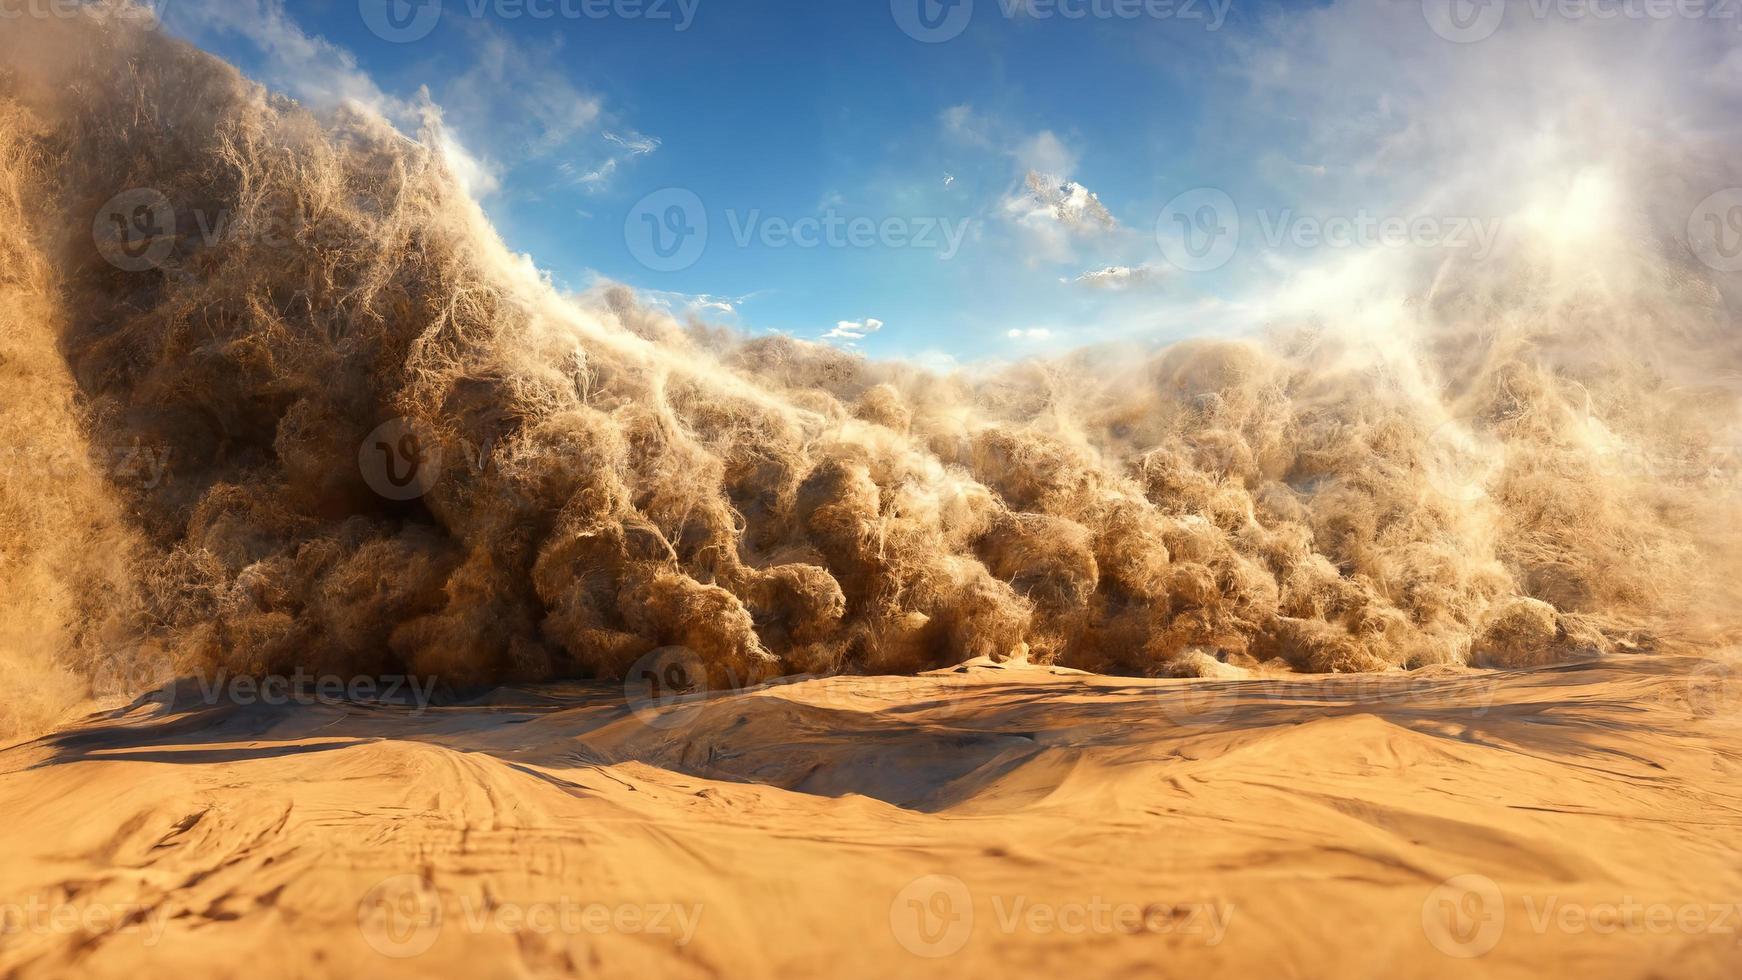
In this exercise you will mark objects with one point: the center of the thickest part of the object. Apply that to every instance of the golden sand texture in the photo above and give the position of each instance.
(1570, 821)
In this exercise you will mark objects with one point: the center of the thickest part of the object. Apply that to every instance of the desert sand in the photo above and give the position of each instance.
(1569, 821)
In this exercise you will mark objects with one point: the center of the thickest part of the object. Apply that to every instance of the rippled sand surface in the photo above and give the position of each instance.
(1574, 821)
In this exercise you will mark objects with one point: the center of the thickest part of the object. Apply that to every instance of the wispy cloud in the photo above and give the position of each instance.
(513, 97)
(548, 111)
(1051, 211)
(962, 123)
(1119, 277)
(636, 143)
(599, 177)
(324, 75)
(704, 306)
(311, 68)
(853, 331)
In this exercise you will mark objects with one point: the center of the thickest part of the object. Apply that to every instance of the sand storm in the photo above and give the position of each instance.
(1389, 633)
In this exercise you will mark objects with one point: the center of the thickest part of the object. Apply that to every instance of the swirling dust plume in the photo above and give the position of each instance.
(1528, 468)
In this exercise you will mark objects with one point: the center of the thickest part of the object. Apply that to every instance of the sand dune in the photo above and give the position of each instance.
(957, 824)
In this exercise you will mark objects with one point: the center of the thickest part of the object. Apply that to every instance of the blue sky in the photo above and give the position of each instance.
(1012, 177)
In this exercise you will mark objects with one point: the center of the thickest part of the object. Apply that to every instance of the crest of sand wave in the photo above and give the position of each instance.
(1511, 463)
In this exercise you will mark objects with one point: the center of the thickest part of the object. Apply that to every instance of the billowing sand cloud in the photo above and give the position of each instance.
(388, 444)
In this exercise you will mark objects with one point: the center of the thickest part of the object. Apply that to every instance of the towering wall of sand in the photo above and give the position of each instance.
(1524, 472)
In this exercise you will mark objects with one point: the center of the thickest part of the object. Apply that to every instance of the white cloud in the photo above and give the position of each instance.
(546, 110)
(1051, 210)
(636, 143)
(592, 180)
(853, 331)
(936, 361)
(696, 305)
(598, 178)
(1118, 277)
(1031, 333)
(1054, 213)
(1046, 199)
(1043, 150)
